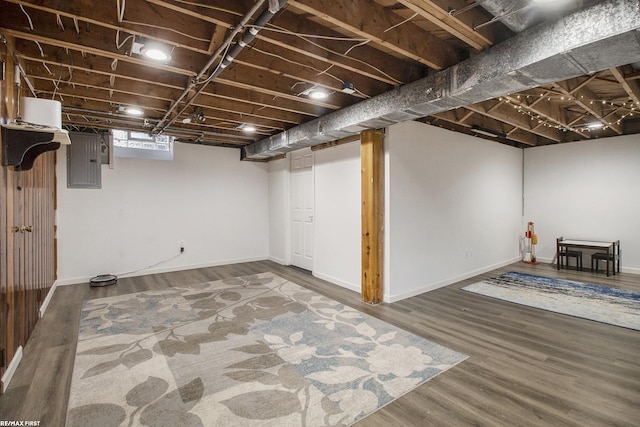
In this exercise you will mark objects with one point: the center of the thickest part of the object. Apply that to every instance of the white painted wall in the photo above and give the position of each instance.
(279, 211)
(454, 208)
(206, 197)
(586, 190)
(337, 250)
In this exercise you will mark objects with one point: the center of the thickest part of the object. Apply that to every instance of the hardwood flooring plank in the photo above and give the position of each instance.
(526, 367)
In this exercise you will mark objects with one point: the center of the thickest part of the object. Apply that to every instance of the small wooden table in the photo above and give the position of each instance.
(588, 244)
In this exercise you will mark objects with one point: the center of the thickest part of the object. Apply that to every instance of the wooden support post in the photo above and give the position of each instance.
(372, 164)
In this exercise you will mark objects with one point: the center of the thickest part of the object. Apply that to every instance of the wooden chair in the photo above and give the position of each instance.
(614, 258)
(563, 252)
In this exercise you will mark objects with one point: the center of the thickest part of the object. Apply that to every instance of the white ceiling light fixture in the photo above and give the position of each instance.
(153, 50)
(318, 94)
(156, 51)
(315, 92)
(595, 125)
(247, 127)
(134, 111)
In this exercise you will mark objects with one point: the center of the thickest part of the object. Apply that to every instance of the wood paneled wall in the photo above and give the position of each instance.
(27, 255)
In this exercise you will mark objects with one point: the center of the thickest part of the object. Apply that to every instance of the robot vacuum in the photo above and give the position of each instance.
(103, 280)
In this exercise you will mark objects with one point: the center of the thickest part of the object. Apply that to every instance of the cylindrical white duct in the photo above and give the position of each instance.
(44, 112)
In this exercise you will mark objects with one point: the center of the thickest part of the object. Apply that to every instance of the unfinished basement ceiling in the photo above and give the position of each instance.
(241, 63)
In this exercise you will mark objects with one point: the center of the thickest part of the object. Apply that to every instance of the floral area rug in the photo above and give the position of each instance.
(249, 351)
(604, 304)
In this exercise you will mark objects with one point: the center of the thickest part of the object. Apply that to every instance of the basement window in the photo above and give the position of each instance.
(142, 145)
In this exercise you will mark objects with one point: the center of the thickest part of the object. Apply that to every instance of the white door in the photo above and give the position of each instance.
(302, 201)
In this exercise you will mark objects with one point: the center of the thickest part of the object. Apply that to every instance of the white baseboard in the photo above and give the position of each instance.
(47, 300)
(278, 260)
(623, 269)
(85, 280)
(11, 369)
(433, 286)
(344, 284)
(630, 270)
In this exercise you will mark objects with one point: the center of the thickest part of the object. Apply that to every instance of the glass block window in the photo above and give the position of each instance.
(142, 145)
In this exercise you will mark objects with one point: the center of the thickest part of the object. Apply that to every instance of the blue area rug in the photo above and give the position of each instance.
(604, 304)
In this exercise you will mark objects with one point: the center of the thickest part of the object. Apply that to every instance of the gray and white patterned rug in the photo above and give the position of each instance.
(250, 351)
(604, 304)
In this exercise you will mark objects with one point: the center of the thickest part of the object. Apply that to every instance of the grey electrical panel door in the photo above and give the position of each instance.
(83, 161)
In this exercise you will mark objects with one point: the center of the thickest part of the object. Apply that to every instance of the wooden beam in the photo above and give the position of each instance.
(372, 175)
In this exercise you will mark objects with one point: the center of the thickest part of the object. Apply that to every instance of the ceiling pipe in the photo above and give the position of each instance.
(247, 37)
(589, 40)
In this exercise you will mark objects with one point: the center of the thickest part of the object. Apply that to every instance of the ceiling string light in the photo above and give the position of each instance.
(602, 124)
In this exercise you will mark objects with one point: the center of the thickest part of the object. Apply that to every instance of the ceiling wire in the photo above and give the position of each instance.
(39, 48)
(126, 21)
(506, 13)
(456, 12)
(120, 9)
(343, 55)
(402, 23)
(215, 70)
(28, 17)
(299, 64)
(312, 36)
(118, 44)
(355, 46)
(59, 22)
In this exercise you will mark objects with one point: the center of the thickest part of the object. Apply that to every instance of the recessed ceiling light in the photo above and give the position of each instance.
(156, 51)
(318, 94)
(134, 111)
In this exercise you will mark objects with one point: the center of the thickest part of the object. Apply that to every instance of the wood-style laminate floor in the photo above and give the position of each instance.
(527, 367)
